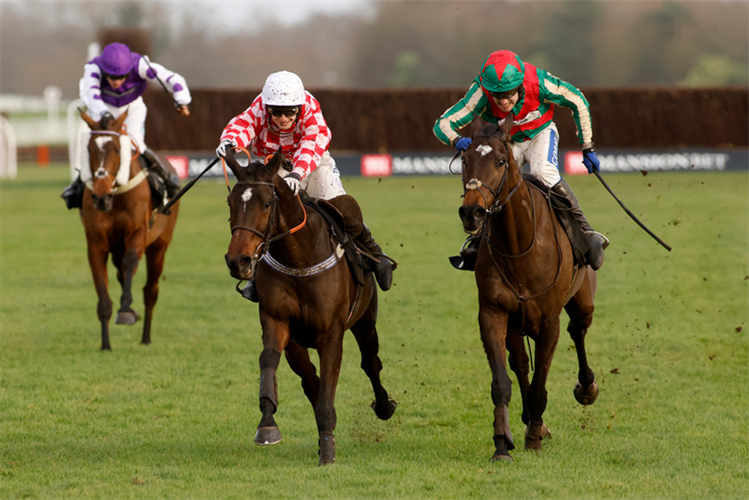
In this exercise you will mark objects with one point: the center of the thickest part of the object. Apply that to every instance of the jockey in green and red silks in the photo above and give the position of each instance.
(508, 86)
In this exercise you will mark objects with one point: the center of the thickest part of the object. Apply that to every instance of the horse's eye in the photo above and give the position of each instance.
(267, 205)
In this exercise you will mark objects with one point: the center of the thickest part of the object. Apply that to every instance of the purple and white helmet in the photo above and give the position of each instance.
(115, 59)
(283, 88)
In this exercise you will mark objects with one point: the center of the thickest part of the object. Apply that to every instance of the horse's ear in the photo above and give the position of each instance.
(233, 164)
(92, 124)
(117, 124)
(506, 128)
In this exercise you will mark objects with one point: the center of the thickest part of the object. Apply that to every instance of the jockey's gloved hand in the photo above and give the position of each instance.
(462, 144)
(226, 143)
(293, 181)
(590, 160)
(105, 120)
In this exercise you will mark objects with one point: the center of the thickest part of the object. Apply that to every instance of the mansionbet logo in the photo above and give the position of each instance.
(377, 165)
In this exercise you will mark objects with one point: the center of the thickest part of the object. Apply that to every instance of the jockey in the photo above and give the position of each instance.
(113, 83)
(287, 117)
(507, 85)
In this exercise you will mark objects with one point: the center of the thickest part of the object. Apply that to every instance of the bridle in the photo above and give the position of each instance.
(124, 141)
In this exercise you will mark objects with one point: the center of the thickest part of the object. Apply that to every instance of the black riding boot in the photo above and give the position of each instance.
(249, 291)
(73, 194)
(383, 270)
(171, 181)
(596, 240)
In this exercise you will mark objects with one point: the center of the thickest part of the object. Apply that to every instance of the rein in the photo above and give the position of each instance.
(118, 186)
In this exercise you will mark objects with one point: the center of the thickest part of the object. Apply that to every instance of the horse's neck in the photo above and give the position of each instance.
(513, 226)
(303, 247)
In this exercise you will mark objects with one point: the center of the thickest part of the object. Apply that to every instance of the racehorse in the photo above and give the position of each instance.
(307, 297)
(117, 206)
(525, 274)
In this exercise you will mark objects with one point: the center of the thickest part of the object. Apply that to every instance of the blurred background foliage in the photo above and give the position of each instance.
(395, 44)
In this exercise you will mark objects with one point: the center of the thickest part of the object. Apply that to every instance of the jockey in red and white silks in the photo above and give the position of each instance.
(288, 117)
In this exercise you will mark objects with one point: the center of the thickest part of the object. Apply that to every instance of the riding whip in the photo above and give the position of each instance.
(187, 187)
(630, 213)
(176, 104)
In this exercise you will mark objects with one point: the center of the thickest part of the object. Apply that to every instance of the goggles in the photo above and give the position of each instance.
(505, 95)
(116, 77)
(283, 111)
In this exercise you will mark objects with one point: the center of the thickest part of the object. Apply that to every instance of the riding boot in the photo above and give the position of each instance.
(596, 240)
(249, 291)
(383, 270)
(171, 181)
(73, 194)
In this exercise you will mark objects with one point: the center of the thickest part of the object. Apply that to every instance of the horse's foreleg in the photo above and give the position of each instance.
(519, 363)
(298, 358)
(330, 368)
(365, 332)
(267, 430)
(580, 310)
(126, 315)
(493, 327)
(154, 268)
(546, 344)
(98, 262)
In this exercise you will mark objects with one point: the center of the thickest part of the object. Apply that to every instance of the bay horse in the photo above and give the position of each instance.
(308, 297)
(116, 209)
(525, 274)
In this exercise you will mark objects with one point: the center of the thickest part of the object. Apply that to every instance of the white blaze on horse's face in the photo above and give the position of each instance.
(484, 149)
(246, 197)
(100, 142)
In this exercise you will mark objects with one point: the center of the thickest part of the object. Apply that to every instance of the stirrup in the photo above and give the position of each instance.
(466, 261)
(606, 241)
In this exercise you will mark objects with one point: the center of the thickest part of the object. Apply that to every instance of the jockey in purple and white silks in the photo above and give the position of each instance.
(506, 85)
(114, 82)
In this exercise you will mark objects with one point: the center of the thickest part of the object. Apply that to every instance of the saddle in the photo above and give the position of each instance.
(578, 241)
(341, 218)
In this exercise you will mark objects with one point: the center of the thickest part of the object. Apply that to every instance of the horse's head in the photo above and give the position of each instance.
(253, 212)
(108, 152)
(486, 164)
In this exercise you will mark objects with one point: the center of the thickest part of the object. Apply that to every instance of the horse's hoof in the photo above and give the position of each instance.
(386, 411)
(534, 436)
(588, 395)
(126, 318)
(267, 436)
(498, 457)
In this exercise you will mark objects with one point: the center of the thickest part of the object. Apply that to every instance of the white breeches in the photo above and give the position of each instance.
(542, 155)
(324, 182)
(135, 123)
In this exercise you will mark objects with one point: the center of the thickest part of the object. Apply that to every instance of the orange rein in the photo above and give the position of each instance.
(267, 158)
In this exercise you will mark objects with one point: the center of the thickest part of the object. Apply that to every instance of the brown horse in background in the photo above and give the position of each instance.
(308, 297)
(526, 275)
(115, 215)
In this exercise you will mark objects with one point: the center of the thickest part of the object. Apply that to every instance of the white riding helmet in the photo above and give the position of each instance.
(283, 88)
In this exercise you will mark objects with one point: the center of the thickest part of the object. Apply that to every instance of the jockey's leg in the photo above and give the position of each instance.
(596, 240)
(383, 270)
(73, 194)
(157, 166)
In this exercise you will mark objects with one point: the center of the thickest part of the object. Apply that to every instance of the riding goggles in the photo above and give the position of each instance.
(288, 112)
(505, 95)
(116, 77)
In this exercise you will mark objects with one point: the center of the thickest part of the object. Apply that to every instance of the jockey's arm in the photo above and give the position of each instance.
(473, 103)
(89, 89)
(174, 82)
(563, 94)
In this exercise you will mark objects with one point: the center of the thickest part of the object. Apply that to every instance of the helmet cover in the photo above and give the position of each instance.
(502, 71)
(283, 88)
(115, 59)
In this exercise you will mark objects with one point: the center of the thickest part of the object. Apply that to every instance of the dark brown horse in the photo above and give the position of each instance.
(526, 275)
(308, 297)
(117, 206)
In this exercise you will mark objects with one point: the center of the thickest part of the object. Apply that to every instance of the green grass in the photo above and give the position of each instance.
(176, 419)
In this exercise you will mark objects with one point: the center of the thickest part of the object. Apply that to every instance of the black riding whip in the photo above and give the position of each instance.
(630, 213)
(176, 104)
(187, 187)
